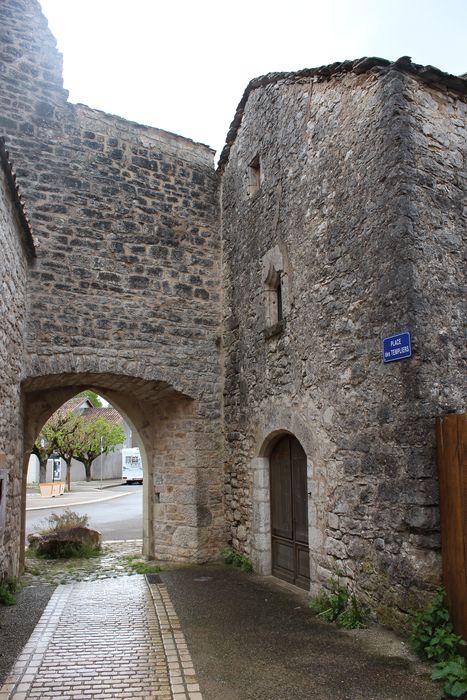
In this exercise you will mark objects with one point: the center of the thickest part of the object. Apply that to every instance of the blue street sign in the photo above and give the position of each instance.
(397, 347)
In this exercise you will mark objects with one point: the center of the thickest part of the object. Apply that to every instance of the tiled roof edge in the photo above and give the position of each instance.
(17, 199)
(428, 74)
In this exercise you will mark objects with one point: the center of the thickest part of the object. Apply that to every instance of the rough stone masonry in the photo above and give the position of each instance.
(361, 207)
(16, 250)
(219, 310)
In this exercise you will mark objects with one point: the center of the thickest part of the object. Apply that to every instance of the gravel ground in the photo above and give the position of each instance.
(253, 639)
(17, 623)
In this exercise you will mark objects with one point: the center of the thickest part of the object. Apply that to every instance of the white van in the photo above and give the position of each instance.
(132, 466)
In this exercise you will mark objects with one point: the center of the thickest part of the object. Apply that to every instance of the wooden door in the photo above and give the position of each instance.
(452, 470)
(289, 512)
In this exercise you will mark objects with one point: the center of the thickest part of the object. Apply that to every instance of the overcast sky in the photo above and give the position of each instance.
(183, 65)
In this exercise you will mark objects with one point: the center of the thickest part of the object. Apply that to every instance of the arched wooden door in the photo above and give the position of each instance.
(289, 512)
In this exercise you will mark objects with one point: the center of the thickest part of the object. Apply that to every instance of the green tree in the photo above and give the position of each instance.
(96, 436)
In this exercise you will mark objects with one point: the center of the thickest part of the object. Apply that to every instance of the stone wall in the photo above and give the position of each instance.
(344, 154)
(438, 216)
(126, 218)
(126, 282)
(15, 251)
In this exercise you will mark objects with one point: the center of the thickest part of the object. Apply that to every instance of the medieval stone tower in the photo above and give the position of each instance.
(236, 316)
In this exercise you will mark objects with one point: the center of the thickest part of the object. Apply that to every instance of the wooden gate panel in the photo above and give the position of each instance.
(451, 432)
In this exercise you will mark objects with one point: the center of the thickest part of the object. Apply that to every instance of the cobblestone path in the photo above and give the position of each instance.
(113, 638)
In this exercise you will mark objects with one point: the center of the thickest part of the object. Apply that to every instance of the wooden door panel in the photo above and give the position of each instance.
(299, 491)
(302, 554)
(283, 560)
(289, 512)
(281, 492)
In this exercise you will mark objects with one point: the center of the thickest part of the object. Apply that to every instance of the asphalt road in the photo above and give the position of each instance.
(117, 519)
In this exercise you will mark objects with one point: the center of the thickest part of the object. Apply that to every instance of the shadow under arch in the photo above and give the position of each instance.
(166, 422)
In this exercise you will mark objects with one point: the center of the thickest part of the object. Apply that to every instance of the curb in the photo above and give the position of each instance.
(77, 503)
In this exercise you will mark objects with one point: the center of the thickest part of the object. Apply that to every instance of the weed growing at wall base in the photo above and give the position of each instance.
(432, 635)
(239, 560)
(8, 588)
(454, 674)
(339, 606)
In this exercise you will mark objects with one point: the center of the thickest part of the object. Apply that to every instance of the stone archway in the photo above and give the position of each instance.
(181, 514)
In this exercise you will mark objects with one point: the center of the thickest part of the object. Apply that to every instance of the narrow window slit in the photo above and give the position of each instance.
(254, 173)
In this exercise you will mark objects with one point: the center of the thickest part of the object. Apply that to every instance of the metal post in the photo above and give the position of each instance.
(101, 459)
(42, 446)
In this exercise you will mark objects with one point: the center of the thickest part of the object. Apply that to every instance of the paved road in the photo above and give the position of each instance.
(116, 638)
(117, 519)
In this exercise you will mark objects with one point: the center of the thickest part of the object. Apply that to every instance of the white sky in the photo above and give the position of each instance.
(182, 65)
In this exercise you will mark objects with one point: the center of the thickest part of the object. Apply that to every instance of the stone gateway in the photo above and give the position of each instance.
(236, 316)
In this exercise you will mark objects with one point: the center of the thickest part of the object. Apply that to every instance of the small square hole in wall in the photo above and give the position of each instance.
(254, 175)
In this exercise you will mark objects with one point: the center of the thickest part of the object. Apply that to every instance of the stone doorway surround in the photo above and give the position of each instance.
(261, 549)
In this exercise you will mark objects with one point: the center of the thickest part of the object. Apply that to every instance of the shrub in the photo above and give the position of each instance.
(64, 536)
(58, 522)
(67, 549)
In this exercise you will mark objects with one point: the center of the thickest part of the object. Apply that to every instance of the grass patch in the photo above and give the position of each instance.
(144, 567)
(110, 562)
